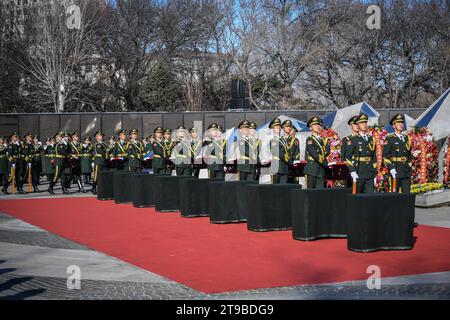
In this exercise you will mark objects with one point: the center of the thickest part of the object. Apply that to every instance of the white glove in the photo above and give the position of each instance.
(331, 163)
(13, 165)
(354, 176)
(393, 173)
(375, 181)
(296, 161)
(264, 162)
(29, 165)
(92, 164)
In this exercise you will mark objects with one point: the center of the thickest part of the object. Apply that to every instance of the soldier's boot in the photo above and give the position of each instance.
(80, 186)
(64, 189)
(94, 188)
(20, 189)
(5, 187)
(50, 188)
(35, 188)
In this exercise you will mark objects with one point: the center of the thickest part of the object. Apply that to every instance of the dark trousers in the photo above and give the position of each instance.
(134, 169)
(280, 178)
(183, 171)
(159, 170)
(18, 176)
(214, 174)
(247, 176)
(365, 185)
(403, 185)
(59, 175)
(313, 182)
(195, 172)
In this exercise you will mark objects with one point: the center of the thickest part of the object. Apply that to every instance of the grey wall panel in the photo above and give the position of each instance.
(191, 117)
(111, 124)
(256, 117)
(28, 123)
(172, 120)
(90, 123)
(132, 121)
(384, 117)
(150, 121)
(8, 124)
(69, 123)
(211, 117)
(272, 115)
(233, 119)
(49, 125)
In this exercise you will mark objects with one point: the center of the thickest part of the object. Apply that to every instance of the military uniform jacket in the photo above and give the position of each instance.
(196, 149)
(86, 158)
(3, 159)
(61, 154)
(120, 150)
(361, 157)
(346, 146)
(135, 150)
(397, 155)
(216, 152)
(28, 152)
(100, 154)
(317, 151)
(281, 155)
(158, 161)
(248, 154)
(182, 154)
(49, 155)
(15, 152)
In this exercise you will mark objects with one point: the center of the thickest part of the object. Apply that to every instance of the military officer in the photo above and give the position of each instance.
(168, 144)
(61, 156)
(248, 153)
(257, 142)
(100, 159)
(397, 155)
(279, 166)
(16, 164)
(3, 161)
(48, 160)
(148, 152)
(158, 162)
(37, 160)
(196, 150)
(361, 157)
(215, 153)
(317, 151)
(346, 142)
(135, 150)
(28, 154)
(293, 144)
(181, 153)
(87, 151)
(75, 155)
(120, 152)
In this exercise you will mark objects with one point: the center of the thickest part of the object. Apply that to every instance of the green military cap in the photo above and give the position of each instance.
(213, 126)
(28, 135)
(244, 124)
(314, 120)
(87, 138)
(111, 138)
(168, 130)
(48, 139)
(362, 118)
(219, 127)
(99, 132)
(158, 129)
(286, 123)
(74, 134)
(123, 131)
(133, 131)
(180, 128)
(66, 134)
(14, 134)
(275, 122)
(253, 125)
(193, 129)
(352, 120)
(397, 118)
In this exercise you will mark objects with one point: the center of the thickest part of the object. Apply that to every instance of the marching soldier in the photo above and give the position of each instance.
(49, 158)
(135, 150)
(120, 152)
(61, 155)
(317, 150)
(100, 161)
(158, 162)
(31, 169)
(397, 155)
(248, 153)
(279, 166)
(16, 164)
(37, 160)
(196, 149)
(3, 161)
(257, 142)
(181, 153)
(87, 151)
(75, 155)
(215, 153)
(361, 157)
(168, 146)
(346, 142)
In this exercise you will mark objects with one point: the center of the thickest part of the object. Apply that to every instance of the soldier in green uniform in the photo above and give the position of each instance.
(248, 153)
(147, 153)
(135, 150)
(100, 161)
(3, 161)
(361, 157)
(279, 166)
(16, 164)
(168, 146)
(257, 142)
(293, 145)
(215, 153)
(49, 159)
(61, 156)
(37, 160)
(397, 155)
(196, 149)
(120, 152)
(75, 155)
(87, 151)
(31, 170)
(317, 150)
(346, 143)
(181, 153)
(158, 162)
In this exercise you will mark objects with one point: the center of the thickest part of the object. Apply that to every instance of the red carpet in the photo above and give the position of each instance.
(217, 258)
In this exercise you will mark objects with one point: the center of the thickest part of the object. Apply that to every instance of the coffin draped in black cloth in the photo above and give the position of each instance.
(319, 213)
(194, 195)
(269, 206)
(142, 193)
(167, 192)
(105, 185)
(122, 186)
(228, 202)
(380, 221)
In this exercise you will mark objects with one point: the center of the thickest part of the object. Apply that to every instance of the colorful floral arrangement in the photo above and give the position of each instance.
(383, 176)
(425, 154)
(426, 187)
(447, 164)
(335, 144)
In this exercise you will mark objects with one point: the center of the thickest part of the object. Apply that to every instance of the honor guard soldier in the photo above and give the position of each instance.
(158, 162)
(196, 150)
(135, 150)
(168, 146)
(16, 164)
(279, 166)
(120, 152)
(248, 153)
(294, 146)
(215, 153)
(361, 157)
(148, 151)
(61, 154)
(181, 153)
(257, 142)
(48, 168)
(346, 142)
(3, 161)
(30, 172)
(87, 152)
(317, 151)
(37, 160)
(397, 155)
(75, 155)
(100, 161)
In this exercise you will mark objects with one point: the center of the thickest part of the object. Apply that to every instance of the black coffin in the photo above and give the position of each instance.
(122, 186)
(319, 213)
(269, 206)
(105, 185)
(167, 192)
(228, 201)
(380, 221)
(142, 193)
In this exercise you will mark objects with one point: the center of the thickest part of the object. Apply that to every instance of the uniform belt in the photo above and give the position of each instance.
(363, 159)
(157, 156)
(99, 156)
(86, 155)
(59, 156)
(399, 159)
(49, 155)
